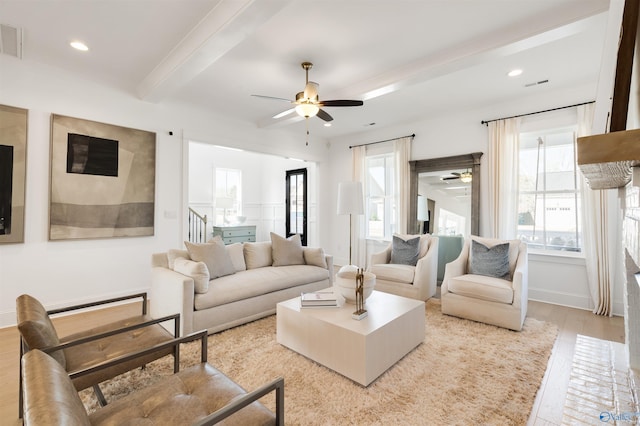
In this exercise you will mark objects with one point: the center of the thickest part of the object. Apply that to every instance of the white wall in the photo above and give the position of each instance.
(263, 186)
(64, 272)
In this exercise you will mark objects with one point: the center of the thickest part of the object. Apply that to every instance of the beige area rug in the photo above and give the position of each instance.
(464, 373)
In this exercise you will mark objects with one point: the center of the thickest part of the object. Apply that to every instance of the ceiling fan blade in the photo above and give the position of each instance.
(284, 113)
(273, 98)
(341, 103)
(450, 178)
(322, 114)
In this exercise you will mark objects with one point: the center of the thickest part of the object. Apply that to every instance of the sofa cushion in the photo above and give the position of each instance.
(514, 248)
(482, 287)
(315, 256)
(490, 261)
(257, 255)
(36, 327)
(394, 272)
(182, 399)
(174, 254)
(196, 270)
(236, 252)
(286, 251)
(214, 255)
(257, 282)
(405, 252)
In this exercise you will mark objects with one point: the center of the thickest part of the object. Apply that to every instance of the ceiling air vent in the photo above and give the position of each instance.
(11, 41)
(536, 83)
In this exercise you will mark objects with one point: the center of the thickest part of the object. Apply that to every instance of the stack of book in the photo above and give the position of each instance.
(318, 299)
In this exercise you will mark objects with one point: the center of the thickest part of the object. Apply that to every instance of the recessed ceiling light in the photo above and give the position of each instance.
(78, 45)
(514, 73)
(327, 124)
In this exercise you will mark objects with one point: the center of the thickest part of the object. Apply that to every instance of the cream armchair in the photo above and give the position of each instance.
(489, 299)
(416, 282)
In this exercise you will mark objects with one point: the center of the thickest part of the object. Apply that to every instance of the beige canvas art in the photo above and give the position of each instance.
(102, 180)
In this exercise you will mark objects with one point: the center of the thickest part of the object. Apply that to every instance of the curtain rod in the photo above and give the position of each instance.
(537, 112)
(386, 140)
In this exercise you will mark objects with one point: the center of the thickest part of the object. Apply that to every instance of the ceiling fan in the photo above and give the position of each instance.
(465, 177)
(308, 103)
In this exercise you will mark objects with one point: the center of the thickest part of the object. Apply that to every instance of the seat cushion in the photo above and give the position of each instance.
(394, 272)
(256, 282)
(181, 399)
(89, 354)
(482, 287)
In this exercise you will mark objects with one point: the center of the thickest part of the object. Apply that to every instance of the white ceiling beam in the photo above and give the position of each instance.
(224, 27)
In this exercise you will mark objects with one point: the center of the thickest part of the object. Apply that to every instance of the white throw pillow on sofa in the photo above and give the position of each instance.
(286, 251)
(214, 255)
(257, 255)
(315, 256)
(196, 270)
(236, 252)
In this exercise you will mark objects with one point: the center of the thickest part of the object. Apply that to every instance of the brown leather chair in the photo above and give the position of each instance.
(91, 347)
(199, 394)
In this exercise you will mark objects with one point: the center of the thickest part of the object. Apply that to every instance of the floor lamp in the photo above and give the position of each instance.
(350, 201)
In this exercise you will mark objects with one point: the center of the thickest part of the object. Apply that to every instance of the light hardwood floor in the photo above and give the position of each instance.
(547, 409)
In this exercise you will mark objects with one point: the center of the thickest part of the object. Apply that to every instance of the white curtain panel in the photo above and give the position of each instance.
(502, 162)
(599, 243)
(402, 155)
(358, 235)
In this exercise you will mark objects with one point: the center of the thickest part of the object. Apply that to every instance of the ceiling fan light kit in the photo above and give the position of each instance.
(308, 103)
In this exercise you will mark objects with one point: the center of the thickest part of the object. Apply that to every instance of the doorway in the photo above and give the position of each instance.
(296, 203)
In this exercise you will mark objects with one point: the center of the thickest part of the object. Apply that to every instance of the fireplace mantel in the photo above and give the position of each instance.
(607, 160)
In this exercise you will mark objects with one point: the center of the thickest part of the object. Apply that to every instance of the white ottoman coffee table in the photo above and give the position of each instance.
(360, 350)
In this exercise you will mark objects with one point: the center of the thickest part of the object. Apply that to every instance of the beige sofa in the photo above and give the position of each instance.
(263, 274)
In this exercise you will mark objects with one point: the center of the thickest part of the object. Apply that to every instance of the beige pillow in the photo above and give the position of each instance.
(237, 256)
(257, 255)
(214, 255)
(196, 270)
(286, 251)
(315, 256)
(173, 254)
(514, 247)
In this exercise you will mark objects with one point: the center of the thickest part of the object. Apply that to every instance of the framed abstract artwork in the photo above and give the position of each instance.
(102, 180)
(13, 170)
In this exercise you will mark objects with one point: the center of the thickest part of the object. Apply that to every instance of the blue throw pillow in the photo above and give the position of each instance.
(405, 252)
(490, 261)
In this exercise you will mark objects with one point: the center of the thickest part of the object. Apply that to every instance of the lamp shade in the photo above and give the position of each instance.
(350, 199)
(423, 210)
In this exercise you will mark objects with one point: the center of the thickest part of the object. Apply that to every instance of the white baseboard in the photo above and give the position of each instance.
(570, 300)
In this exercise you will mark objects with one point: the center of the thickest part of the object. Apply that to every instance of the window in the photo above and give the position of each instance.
(548, 196)
(380, 196)
(228, 194)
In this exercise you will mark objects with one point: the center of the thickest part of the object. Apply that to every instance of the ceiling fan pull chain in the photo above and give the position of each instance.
(306, 122)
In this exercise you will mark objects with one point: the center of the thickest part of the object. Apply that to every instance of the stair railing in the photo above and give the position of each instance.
(197, 227)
